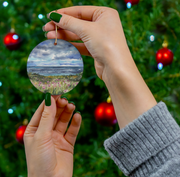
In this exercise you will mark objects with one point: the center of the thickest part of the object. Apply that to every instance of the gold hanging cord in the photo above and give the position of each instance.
(56, 37)
(56, 33)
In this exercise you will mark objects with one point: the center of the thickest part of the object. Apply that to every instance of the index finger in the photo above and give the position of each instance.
(81, 12)
(35, 120)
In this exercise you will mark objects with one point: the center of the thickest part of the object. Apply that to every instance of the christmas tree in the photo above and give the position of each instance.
(147, 25)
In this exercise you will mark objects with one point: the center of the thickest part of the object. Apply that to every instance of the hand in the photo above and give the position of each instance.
(48, 152)
(99, 28)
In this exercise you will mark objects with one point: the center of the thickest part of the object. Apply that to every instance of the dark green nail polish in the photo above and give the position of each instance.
(55, 17)
(64, 97)
(48, 99)
(72, 102)
(78, 112)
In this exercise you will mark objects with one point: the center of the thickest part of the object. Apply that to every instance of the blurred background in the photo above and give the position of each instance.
(152, 30)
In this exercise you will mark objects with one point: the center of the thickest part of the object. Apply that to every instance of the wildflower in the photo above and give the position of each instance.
(44, 87)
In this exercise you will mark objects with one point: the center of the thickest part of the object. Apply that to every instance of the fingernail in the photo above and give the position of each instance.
(45, 34)
(78, 112)
(48, 99)
(43, 28)
(64, 97)
(72, 102)
(55, 17)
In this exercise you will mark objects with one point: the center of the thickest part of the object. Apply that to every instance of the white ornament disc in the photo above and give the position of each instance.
(56, 69)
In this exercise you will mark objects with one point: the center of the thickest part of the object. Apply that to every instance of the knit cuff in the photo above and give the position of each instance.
(143, 138)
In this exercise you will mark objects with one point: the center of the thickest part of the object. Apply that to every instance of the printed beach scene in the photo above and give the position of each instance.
(56, 69)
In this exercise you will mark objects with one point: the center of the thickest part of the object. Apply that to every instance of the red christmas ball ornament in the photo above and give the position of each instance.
(105, 114)
(20, 133)
(164, 56)
(133, 2)
(12, 41)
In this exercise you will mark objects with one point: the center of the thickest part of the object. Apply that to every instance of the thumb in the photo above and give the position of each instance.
(67, 22)
(48, 115)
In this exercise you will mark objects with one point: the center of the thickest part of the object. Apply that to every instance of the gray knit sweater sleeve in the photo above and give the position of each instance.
(149, 146)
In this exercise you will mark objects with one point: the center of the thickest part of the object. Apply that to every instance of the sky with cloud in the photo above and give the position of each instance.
(48, 54)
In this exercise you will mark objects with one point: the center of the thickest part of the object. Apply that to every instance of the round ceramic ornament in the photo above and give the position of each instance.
(55, 67)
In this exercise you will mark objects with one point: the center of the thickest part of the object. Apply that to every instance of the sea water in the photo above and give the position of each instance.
(54, 71)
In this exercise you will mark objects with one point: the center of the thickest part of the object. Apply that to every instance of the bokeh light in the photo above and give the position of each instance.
(15, 36)
(5, 3)
(10, 111)
(152, 38)
(128, 5)
(160, 66)
(40, 16)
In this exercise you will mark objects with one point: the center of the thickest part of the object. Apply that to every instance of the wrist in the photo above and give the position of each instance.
(130, 95)
(117, 61)
(118, 68)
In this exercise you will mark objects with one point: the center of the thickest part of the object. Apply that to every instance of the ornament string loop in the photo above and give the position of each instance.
(56, 33)
(56, 37)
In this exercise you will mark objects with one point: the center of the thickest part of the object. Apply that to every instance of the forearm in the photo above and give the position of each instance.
(129, 93)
